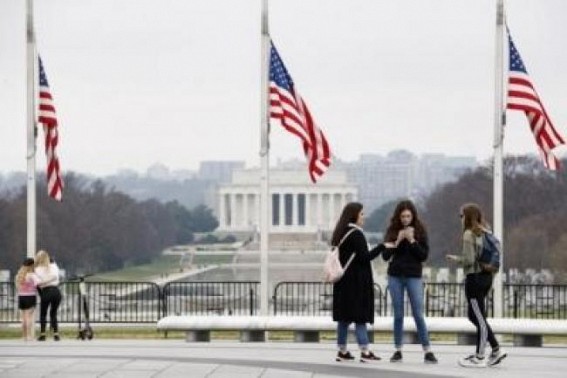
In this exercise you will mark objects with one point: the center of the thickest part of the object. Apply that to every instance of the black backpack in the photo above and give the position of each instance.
(489, 256)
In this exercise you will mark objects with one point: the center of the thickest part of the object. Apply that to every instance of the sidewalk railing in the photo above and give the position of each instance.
(311, 298)
(144, 302)
(210, 298)
(112, 302)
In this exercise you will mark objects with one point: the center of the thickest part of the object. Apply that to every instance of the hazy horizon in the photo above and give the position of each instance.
(273, 164)
(142, 81)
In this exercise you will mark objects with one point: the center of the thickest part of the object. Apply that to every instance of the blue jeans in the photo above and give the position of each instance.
(359, 330)
(414, 287)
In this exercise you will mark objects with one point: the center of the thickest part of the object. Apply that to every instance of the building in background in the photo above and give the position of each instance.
(158, 171)
(381, 179)
(219, 171)
(215, 173)
(301, 213)
(434, 170)
(401, 174)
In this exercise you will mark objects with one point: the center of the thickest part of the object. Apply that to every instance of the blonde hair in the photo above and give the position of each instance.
(42, 258)
(22, 272)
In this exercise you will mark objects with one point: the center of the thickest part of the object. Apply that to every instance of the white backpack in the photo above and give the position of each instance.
(333, 271)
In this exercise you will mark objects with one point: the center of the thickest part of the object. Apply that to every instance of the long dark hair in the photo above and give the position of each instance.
(396, 224)
(349, 215)
(473, 218)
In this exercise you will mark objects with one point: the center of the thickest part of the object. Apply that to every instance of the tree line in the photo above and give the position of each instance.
(535, 213)
(96, 228)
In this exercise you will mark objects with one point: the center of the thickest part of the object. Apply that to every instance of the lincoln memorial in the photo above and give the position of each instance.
(297, 206)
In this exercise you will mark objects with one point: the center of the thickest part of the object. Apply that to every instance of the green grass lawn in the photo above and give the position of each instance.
(158, 267)
(150, 333)
(145, 272)
(100, 332)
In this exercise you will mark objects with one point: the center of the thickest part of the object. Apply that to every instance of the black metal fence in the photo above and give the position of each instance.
(215, 298)
(535, 301)
(143, 302)
(311, 298)
(112, 302)
(8, 303)
(109, 302)
(448, 299)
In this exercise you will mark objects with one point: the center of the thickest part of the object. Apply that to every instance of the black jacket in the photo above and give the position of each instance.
(353, 295)
(407, 258)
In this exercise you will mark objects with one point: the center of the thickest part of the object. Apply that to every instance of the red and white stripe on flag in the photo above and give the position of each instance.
(287, 106)
(522, 96)
(48, 118)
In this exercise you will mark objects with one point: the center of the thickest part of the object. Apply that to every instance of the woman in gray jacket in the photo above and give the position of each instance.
(478, 283)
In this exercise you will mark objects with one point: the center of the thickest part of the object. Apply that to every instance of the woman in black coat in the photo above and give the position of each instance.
(353, 294)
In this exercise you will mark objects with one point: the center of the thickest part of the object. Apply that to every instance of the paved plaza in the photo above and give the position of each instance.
(177, 358)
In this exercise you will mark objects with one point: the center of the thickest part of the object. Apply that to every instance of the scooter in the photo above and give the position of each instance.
(85, 330)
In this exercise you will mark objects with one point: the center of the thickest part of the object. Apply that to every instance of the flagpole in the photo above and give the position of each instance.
(31, 131)
(265, 163)
(498, 179)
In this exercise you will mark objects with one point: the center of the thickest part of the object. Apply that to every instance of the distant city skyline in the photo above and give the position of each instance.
(378, 178)
(178, 81)
(158, 168)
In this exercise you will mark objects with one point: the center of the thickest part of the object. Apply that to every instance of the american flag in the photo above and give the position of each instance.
(523, 96)
(48, 118)
(288, 107)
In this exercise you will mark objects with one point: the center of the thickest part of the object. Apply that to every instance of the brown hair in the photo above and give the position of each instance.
(396, 223)
(349, 215)
(473, 219)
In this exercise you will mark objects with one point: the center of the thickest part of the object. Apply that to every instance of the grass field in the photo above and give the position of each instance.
(158, 267)
(150, 333)
(101, 332)
(162, 264)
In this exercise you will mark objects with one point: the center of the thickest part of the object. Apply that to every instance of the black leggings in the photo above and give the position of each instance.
(50, 299)
(477, 286)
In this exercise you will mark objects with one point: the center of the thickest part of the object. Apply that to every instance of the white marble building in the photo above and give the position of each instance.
(296, 205)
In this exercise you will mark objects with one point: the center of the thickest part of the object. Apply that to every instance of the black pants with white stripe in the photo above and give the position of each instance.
(477, 286)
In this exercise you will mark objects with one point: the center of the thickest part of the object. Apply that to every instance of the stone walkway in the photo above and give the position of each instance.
(176, 358)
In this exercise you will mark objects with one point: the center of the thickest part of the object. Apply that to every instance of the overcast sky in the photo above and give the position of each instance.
(178, 81)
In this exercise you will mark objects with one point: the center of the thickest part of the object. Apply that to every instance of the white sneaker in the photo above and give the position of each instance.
(472, 361)
(496, 357)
